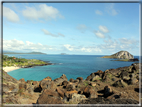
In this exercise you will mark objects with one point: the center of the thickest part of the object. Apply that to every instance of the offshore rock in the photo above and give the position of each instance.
(121, 55)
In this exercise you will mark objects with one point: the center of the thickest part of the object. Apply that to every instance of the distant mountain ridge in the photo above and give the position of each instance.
(8, 52)
(120, 55)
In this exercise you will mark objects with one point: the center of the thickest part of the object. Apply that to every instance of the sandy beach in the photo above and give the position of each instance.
(8, 69)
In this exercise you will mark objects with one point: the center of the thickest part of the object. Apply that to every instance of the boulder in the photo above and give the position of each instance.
(120, 83)
(87, 90)
(93, 84)
(71, 80)
(64, 83)
(58, 81)
(68, 94)
(76, 81)
(99, 72)
(30, 90)
(49, 97)
(96, 78)
(35, 83)
(70, 87)
(79, 78)
(22, 80)
(53, 86)
(93, 94)
(107, 91)
(29, 81)
(48, 78)
(44, 84)
(60, 92)
(22, 86)
(89, 78)
(124, 75)
(76, 98)
(135, 66)
(64, 77)
(133, 81)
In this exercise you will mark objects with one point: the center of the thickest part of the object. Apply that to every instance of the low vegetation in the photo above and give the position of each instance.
(21, 62)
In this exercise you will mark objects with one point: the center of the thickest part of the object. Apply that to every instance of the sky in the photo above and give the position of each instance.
(71, 28)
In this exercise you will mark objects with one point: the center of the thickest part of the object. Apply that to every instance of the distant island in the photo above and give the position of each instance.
(7, 52)
(63, 54)
(122, 56)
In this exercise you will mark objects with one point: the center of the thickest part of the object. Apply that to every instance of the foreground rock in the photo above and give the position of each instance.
(113, 86)
(101, 100)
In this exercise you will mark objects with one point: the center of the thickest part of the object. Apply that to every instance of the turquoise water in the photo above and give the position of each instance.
(72, 66)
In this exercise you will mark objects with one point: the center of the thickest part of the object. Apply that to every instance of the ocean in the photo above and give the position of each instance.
(72, 66)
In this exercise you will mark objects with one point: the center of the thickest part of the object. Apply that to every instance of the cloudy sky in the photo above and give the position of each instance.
(72, 28)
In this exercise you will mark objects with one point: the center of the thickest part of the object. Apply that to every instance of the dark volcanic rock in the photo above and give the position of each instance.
(70, 87)
(99, 72)
(44, 84)
(79, 78)
(71, 80)
(101, 100)
(107, 91)
(58, 81)
(135, 59)
(89, 78)
(65, 83)
(61, 92)
(120, 83)
(49, 97)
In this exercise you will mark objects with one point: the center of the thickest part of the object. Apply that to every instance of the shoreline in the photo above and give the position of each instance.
(12, 68)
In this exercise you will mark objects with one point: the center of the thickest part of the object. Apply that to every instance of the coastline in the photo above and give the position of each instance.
(8, 69)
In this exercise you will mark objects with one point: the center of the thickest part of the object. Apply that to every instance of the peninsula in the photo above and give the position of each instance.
(13, 63)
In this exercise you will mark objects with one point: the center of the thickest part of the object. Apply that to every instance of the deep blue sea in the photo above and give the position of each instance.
(72, 66)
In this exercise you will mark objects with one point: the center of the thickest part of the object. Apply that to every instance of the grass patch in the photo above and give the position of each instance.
(86, 83)
(20, 62)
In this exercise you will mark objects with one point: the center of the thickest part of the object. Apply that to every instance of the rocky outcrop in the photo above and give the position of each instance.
(113, 86)
(121, 55)
(101, 100)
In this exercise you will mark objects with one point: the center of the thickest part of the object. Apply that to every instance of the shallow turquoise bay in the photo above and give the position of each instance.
(72, 66)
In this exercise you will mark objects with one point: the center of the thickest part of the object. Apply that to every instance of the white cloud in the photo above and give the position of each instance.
(98, 12)
(46, 32)
(41, 12)
(68, 47)
(103, 29)
(81, 48)
(119, 44)
(110, 9)
(99, 34)
(128, 41)
(14, 45)
(90, 49)
(10, 15)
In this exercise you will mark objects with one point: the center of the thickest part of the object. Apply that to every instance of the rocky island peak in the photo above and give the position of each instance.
(121, 55)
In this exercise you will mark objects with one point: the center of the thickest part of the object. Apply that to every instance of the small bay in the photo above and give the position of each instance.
(72, 66)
